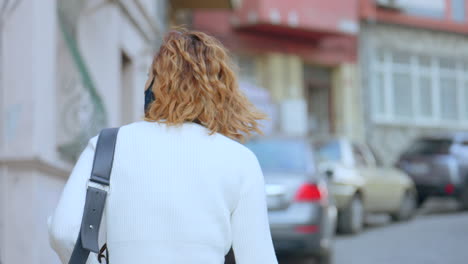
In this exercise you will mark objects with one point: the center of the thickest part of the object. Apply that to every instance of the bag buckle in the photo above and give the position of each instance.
(99, 186)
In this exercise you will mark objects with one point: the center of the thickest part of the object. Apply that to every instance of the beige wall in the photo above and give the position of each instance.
(347, 102)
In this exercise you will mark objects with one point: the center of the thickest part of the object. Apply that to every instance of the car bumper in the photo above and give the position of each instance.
(313, 244)
(312, 235)
(425, 191)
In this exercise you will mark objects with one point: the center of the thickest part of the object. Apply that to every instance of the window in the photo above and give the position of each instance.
(419, 89)
(448, 96)
(282, 155)
(465, 99)
(425, 8)
(329, 151)
(401, 85)
(359, 158)
(429, 146)
(458, 10)
(425, 99)
(380, 98)
(247, 68)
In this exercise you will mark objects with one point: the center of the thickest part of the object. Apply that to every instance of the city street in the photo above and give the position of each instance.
(438, 235)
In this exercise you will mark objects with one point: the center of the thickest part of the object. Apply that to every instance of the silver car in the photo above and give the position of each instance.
(301, 213)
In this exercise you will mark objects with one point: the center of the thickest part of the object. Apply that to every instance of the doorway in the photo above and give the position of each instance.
(127, 97)
(318, 84)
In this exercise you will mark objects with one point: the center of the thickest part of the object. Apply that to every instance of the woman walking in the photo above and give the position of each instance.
(183, 190)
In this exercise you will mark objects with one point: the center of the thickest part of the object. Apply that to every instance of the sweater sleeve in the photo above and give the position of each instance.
(64, 224)
(252, 243)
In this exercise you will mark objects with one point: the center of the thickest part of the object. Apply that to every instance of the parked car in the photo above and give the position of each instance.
(302, 216)
(360, 184)
(439, 166)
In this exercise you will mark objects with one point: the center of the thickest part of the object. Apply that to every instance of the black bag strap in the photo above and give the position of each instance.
(229, 258)
(95, 197)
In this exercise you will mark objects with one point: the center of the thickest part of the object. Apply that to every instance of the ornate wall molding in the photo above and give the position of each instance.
(81, 110)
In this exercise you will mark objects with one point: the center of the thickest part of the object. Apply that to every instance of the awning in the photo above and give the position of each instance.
(215, 4)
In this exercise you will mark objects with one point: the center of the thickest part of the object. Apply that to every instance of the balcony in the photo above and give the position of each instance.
(298, 18)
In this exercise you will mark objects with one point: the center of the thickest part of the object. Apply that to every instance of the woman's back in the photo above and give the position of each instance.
(173, 191)
(175, 197)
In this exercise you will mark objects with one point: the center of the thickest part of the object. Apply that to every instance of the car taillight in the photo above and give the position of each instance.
(306, 229)
(309, 193)
(449, 188)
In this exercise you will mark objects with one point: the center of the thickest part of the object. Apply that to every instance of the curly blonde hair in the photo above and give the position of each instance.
(194, 82)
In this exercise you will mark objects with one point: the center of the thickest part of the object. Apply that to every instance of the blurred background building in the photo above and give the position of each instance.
(382, 71)
(303, 53)
(414, 70)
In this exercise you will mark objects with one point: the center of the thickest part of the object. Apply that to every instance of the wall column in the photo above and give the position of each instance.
(282, 75)
(347, 102)
(28, 149)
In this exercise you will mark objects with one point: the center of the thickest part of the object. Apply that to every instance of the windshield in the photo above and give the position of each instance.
(329, 151)
(281, 155)
(429, 147)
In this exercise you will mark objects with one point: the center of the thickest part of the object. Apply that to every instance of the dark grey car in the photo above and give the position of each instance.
(301, 213)
(438, 166)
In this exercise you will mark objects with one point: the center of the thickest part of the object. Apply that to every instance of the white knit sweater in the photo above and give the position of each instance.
(178, 195)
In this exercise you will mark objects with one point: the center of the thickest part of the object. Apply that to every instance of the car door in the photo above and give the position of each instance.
(388, 182)
(371, 188)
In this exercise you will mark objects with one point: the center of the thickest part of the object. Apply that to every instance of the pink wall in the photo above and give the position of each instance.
(322, 32)
(318, 15)
(369, 11)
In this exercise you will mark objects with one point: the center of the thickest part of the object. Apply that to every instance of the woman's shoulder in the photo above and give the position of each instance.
(196, 133)
(238, 153)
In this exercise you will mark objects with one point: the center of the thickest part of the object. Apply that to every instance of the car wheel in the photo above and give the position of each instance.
(351, 218)
(325, 258)
(420, 201)
(407, 207)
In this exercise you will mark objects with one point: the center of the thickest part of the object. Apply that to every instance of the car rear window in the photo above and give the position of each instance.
(282, 155)
(429, 147)
(328, 151)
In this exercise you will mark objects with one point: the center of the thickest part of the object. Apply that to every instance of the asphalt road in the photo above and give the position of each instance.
(437, 235)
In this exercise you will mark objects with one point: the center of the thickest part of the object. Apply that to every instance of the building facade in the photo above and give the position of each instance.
(69, 68)
(414, 63)
(306, 62)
